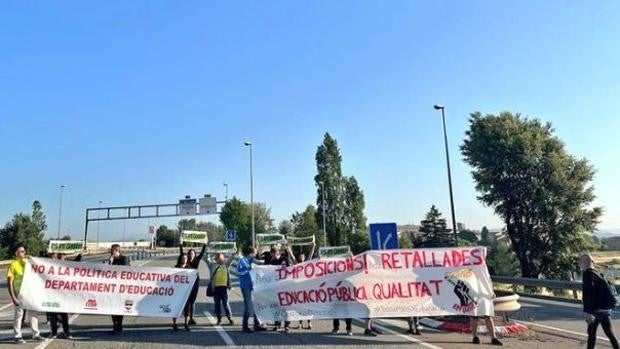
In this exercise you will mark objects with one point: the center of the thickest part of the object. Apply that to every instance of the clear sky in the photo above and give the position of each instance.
(141, 102)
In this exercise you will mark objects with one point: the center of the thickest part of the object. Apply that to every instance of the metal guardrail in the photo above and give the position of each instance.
(531, 282)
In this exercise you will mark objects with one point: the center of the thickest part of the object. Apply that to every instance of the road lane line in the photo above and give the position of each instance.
(403, 336)
(533, 324)
(5, 306)
(222, 332)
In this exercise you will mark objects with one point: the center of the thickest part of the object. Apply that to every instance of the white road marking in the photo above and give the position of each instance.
(5, 306)
(533, 324)
(403, 336)
(222, 332)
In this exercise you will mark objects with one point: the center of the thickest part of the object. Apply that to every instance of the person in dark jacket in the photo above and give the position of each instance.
(116, 258)
(597, 302)
(182, 263)
(63, 317)
(277, 258)
(193, 262)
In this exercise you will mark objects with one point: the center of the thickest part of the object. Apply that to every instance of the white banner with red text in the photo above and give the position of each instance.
(374, 284)
(51, 285)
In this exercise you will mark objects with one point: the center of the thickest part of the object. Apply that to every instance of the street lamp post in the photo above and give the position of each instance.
(98, 217)
(445, 138)
(322, 184)
(249, 144)
(60, 210)
(226, 196)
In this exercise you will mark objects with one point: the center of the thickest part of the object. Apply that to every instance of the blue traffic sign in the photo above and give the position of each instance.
(383, 236)
(231, 235)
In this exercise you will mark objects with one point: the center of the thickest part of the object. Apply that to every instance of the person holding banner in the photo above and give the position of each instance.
(220, 285)
(14, 278)
(276, 258)
(193, 262)
(301, 258)
(116, 258)
(245, 283)
(64, 317)
(182, 263)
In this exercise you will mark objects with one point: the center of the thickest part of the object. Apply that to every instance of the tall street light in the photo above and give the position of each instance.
(60, 210)
(98, 217)
(445, 138)
(226, 185)
(249, 144)
(322, 184)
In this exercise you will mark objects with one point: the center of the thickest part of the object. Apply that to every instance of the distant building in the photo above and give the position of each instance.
(411, 229)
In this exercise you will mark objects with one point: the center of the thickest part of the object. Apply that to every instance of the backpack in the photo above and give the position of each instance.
(607, 293)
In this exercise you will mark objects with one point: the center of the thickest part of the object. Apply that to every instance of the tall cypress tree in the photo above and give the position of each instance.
(329, 172)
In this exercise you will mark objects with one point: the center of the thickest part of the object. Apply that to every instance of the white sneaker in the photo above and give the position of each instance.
(19, 340)
(349, 333)
(335, 331)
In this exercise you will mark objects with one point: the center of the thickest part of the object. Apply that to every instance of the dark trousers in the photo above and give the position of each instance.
(220, 297)
(604, 319)
(348, 323)
(64, 320)
(117, 322)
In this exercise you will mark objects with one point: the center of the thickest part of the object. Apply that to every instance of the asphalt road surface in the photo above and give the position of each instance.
(91, 332)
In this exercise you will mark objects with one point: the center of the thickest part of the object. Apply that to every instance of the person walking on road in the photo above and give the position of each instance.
(598, 301)
(193, 263)
(247, 286)
(14, 278)
(116, 258)
(490, 324)
(182, 263)
(220, 284)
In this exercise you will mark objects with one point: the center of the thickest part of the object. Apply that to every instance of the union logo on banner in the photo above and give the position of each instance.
(91, 304)
(467, 299)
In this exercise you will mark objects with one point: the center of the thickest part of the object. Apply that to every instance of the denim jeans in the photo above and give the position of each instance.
(248, 308)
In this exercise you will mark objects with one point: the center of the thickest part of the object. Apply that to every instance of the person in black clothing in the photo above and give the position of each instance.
(348, 323)
(182, 262)
(193, 262)
(276, 258)
(116, 258)
(63, 317)
(597, 302)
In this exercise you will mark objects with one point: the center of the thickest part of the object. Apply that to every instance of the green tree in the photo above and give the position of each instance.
(22, 229)
(216, 232)
(468, 235)
(344, 200)
(187, 224)
(485, 237)
(542, 193)
(166, 237)
(285, 227)
(236, 215)
(66, 238)
(38, 217)
(304, 223)
(405, 240)
(329, 178)
(262, 218)
(354, 218)
(433, 231)
(501, 260)
(359, 242)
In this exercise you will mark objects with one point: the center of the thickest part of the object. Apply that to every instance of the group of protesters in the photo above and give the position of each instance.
(598, 299)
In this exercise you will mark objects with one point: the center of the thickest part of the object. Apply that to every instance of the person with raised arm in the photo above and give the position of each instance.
(193, 262)
(220, 285)
(301, 258)
(244, 267)
(183, 263)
